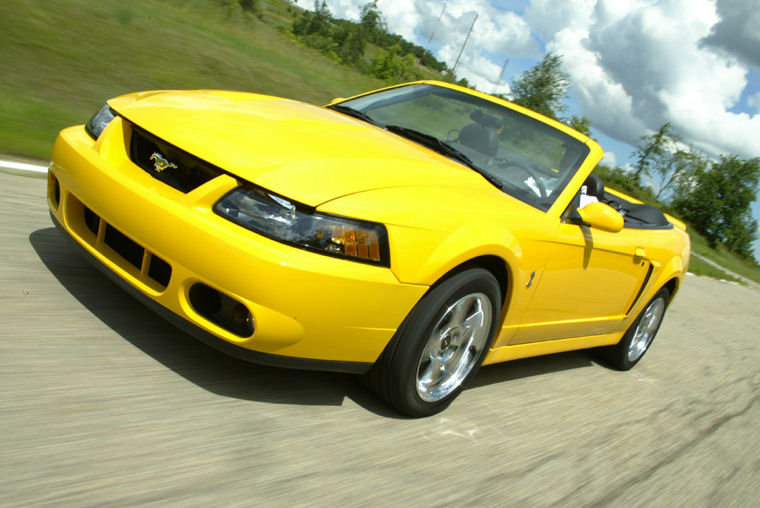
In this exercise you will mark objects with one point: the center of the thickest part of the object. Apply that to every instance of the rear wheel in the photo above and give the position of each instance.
(440, 345)
(637, 339)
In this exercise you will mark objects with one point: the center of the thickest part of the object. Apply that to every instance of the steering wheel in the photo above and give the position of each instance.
(539, 188)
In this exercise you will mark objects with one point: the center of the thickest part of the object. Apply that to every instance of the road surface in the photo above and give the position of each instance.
(103, 403)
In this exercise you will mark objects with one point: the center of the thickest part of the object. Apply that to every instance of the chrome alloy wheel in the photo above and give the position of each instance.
(454, 346)
(646, 329)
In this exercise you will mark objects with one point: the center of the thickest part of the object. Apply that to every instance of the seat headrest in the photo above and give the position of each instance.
(594, 186)
(479, 138)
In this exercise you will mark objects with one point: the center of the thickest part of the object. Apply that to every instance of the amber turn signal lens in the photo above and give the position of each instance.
(356, 242)
(284, 220)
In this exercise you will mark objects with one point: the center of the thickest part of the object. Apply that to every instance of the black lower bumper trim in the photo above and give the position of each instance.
(210, 339)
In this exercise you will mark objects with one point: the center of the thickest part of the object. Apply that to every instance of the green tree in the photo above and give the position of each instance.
(651, 148)
(543, 88)
(347, 40)
(249, 5)
(582, 124)
(677, 169)
(372, 23)
(716, 201)
(314, 23)
(387, 65)
(350, 44)
(740, 235)
(617, 178)
(390, 66)
(428, 60)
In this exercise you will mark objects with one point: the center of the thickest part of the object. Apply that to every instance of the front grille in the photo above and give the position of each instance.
(149, 268)
(159, 158)
(131, 251)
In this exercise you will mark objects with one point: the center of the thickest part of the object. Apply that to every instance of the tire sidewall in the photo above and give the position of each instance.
(417, 328)
(622, 349)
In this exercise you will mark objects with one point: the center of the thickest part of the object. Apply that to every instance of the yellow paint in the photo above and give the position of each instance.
(516, 352)
(566, 282)
(602, 216)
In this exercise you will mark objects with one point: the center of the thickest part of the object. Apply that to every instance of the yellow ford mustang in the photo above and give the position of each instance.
(410, 234)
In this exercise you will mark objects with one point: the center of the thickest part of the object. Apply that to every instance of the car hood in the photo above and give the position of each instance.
(307, 153)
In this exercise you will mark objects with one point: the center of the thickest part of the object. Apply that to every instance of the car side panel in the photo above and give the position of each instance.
(438, 235)
(518, 351)
(589, 283)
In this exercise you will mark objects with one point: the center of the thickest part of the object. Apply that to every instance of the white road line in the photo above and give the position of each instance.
(23, 167)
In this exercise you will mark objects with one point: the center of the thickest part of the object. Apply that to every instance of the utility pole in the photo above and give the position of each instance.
(454, 70)
(436, 24)
(501, 74)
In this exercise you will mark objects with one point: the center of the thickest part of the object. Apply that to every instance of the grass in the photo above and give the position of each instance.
(723, 257)
(700, 267)
(62, 58)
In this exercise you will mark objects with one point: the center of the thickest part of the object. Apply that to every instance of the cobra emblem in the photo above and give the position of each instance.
(160, 163)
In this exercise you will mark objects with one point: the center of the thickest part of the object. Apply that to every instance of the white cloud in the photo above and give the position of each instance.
(637, 64)
(738, 32)
(403, 17)
(480, 71)
(495, 31)
(754, 102)
(634, 64)
(548, 17)
(610, 159)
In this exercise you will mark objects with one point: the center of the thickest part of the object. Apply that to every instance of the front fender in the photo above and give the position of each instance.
(675, 269)
(438, 252)
(432, 230)
(675, 253)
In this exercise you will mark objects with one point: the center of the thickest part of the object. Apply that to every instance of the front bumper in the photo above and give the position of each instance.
(309, 311)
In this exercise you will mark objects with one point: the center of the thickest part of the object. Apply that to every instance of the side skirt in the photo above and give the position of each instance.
(506, 353)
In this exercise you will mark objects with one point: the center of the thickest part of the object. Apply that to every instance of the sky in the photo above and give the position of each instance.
(633, 64)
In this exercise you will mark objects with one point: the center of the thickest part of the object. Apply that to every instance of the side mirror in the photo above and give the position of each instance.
(601, 216)
(337, 99)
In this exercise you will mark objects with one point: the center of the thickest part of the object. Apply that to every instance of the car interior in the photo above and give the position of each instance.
(635, 215)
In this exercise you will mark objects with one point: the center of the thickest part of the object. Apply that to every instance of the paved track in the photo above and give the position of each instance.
(102, 403)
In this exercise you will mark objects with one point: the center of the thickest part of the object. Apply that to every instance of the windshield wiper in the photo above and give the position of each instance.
(443, 148)
(346, 110)
(431, 142)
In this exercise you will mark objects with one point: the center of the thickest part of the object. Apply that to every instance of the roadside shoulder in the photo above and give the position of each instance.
(23, 166)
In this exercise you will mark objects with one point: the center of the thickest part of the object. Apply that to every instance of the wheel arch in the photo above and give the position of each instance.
(672, 286)
(494, 264)
(497, 266)
(435, 351)
(670, 277)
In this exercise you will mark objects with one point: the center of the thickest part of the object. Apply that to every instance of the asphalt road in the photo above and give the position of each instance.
(102, 403)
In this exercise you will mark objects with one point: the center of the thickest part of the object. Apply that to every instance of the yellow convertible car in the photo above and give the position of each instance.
(410, 234)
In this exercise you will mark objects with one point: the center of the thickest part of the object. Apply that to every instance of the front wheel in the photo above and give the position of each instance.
(637, 339)
(440, 345)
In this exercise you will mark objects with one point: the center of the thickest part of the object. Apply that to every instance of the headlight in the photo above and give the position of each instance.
(99, 120)
(280, 219)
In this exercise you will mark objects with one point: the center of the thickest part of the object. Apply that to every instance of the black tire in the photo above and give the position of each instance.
(435, 352)
(639, 336)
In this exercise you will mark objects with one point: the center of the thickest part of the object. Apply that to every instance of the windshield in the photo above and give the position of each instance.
(524, 157)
